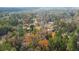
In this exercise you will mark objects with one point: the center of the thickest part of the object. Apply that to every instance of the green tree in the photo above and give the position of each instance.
(72, 42)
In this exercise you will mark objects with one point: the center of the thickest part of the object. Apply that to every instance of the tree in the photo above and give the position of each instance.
(13, 21)
(72, 42)
(6, 46)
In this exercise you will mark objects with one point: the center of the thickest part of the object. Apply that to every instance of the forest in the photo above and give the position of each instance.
(39, 29)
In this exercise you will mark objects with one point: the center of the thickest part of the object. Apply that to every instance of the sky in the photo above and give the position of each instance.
(39, 3)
